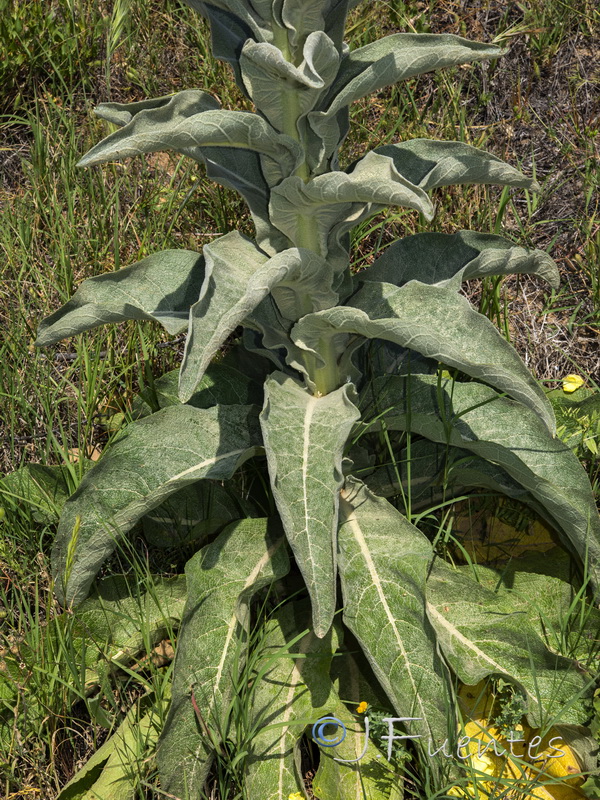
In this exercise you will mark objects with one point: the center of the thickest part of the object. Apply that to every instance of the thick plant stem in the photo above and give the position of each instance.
(324, 378)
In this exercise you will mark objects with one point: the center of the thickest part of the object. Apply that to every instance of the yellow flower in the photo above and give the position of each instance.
(362, 707)
(571, 383)
(296, 796)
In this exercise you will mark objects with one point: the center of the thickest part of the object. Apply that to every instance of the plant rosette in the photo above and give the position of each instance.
(334, 377)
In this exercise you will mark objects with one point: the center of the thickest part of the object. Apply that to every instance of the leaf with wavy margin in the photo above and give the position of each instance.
(293, 688)
(383, 565)
(430, 163)
(448, 259)
(161, 287)
(482, 633)
(222, 579)
(436, 322)
(477, 419)
(138, 473)
(304, 437)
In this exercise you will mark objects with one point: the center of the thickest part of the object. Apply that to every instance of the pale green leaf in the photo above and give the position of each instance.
(193, 513)
(474, 418)
(235, 168)
(339, 200)
(304, 437)
(221, 578)
(161, 287)
(238, 277)
(544, 590)
(179, 126)
(44, 489)
(113, 772)
(293, 689)
(281, 90)
(398, 57)
(138, 473)
(378, 64)
(383, 565)
(363, 773)
(429, 163)
(482, 632)
(120, 617)
(443, 259)
(222, 384)
(300, 18)
(436, 322)
(122, 113)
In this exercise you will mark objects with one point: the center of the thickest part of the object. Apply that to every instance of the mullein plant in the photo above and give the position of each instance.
(330, 364)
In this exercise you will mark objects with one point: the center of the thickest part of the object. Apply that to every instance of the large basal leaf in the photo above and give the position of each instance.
(438, 323)
(222, 579)
(238, 277)
(482, 633)
(304, 437)
(194, 513)
(496, 429)
(292, 689)
(381, 63)
(44, 489)
(429, 163)
(355, 769)
(119, 618)
(221, 384)
(113, 770)
(161, 287)
(383, 564)
(281, 90)
(179, 126)
(138, 473)
(444, 259)
(302, 210)
(544, 590)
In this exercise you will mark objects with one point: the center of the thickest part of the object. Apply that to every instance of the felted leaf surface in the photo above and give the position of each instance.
(511, 436)
(482, 633)
(221, 384)
(283, 91)
(45, 488)
(161, 287)
(119, 618)
(221, 579)
(179, 125)
(290, 692)
(238, 277)
(543, 588)
(111, 773)
(139, 472)
(398, 57)
(436, 322)
(381, 63)
(340, 197)
(443, 259)
(364, 772)
(192, 100)
(429, 163)
(193, 513)
(383, 564)
(304, 437)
